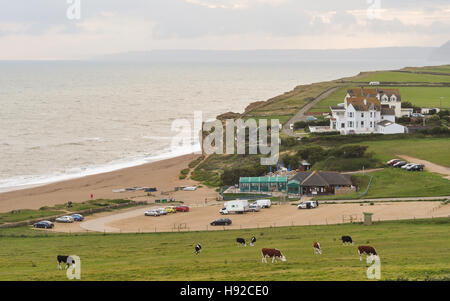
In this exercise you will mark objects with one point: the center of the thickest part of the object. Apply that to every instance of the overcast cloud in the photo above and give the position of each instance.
(40, 29)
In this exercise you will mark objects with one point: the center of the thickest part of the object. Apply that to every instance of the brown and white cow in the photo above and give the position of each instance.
(317, 249)
(273, 253)
(368, 250)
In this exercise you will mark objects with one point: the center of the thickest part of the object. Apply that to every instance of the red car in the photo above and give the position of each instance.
(182, 208)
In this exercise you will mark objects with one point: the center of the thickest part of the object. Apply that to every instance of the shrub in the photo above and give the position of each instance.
(299, 125)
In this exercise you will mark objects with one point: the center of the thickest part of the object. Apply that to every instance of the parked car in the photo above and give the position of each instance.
(77, 217)
(254, 207)
(406, 166)
(400, 164)
(221, 222)
(182, 208)
(152, 213)
(393, 161)
(65, 219)
(307, 205)
(264, 203)
(171, 209)
(44, 224)
(162, 211)
(417, 115)
(416, 167)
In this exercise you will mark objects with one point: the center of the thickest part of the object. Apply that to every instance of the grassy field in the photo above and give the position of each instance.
(169, 256)
(395, 182)
(60, 209)
(431, 149)
(287, 104)
(418, 96)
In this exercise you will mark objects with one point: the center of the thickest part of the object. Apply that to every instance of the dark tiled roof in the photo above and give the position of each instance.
(387, 111)
(321, 178)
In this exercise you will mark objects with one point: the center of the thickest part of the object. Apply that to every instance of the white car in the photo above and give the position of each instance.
(162, 211)
(65, 219)
(408, 165)
(307, 205)
(152, 213)
(254, 207)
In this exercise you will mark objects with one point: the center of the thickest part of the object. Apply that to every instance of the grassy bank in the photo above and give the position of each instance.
(169, 256)
(431, 149)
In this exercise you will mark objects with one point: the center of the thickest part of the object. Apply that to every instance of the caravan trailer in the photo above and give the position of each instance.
(237, 206)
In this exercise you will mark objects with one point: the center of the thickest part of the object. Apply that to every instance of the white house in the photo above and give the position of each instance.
(365, 114)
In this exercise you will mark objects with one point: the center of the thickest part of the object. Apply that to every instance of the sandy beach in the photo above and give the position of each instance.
(161, 174)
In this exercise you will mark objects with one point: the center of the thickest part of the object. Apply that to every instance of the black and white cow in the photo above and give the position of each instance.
(67, 260)
(252, 241)
(241, 241)
(198, 248)
(346, 239)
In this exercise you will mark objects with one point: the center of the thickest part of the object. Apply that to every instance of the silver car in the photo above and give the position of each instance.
(162, 211)
(254, 207)
(152, 213)
(65, 219)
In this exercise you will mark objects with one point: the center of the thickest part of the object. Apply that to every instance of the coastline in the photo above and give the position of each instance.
(161, 174)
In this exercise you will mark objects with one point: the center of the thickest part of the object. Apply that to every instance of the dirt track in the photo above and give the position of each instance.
(133, 220)
(445, 171)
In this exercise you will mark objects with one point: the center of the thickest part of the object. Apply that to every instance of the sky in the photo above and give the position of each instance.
(80, 29)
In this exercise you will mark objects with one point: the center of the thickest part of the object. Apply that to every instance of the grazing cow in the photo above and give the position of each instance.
(252, 241)
(67, 260)
(368, 250)
(317, 249)
(273, 253)
(198, 248)
(346, 239)
(241, 241)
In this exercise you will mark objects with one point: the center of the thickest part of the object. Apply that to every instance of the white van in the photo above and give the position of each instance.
(264, 203)
(238, 206)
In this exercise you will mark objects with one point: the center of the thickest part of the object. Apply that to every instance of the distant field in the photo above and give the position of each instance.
(442, 69)
(169, 256)
(390, 76)
(435, 150)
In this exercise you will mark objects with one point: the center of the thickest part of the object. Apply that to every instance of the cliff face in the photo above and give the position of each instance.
(442, 53)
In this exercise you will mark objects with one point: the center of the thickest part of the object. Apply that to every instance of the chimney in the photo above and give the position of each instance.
(365, 101)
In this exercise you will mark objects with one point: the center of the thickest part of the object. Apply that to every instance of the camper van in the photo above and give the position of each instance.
(237, 206)
(264, 203)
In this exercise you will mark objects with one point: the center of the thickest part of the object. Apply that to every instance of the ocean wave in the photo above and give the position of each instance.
(26, 181)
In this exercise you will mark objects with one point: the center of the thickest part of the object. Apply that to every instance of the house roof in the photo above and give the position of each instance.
(280, 179)
(387, 111)
(362, 103)
(321, 178)
(385, 123)
(373, 92)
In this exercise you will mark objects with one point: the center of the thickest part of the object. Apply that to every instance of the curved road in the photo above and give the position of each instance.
(300, 116)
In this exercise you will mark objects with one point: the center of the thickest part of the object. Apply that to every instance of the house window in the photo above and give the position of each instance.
(350, 114)
(371, 124)
(371, 114)
(362, 115)
(350, 124)
(342, 125)
(362, 124)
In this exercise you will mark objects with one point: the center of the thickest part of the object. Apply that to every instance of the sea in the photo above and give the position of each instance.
(61, 120)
